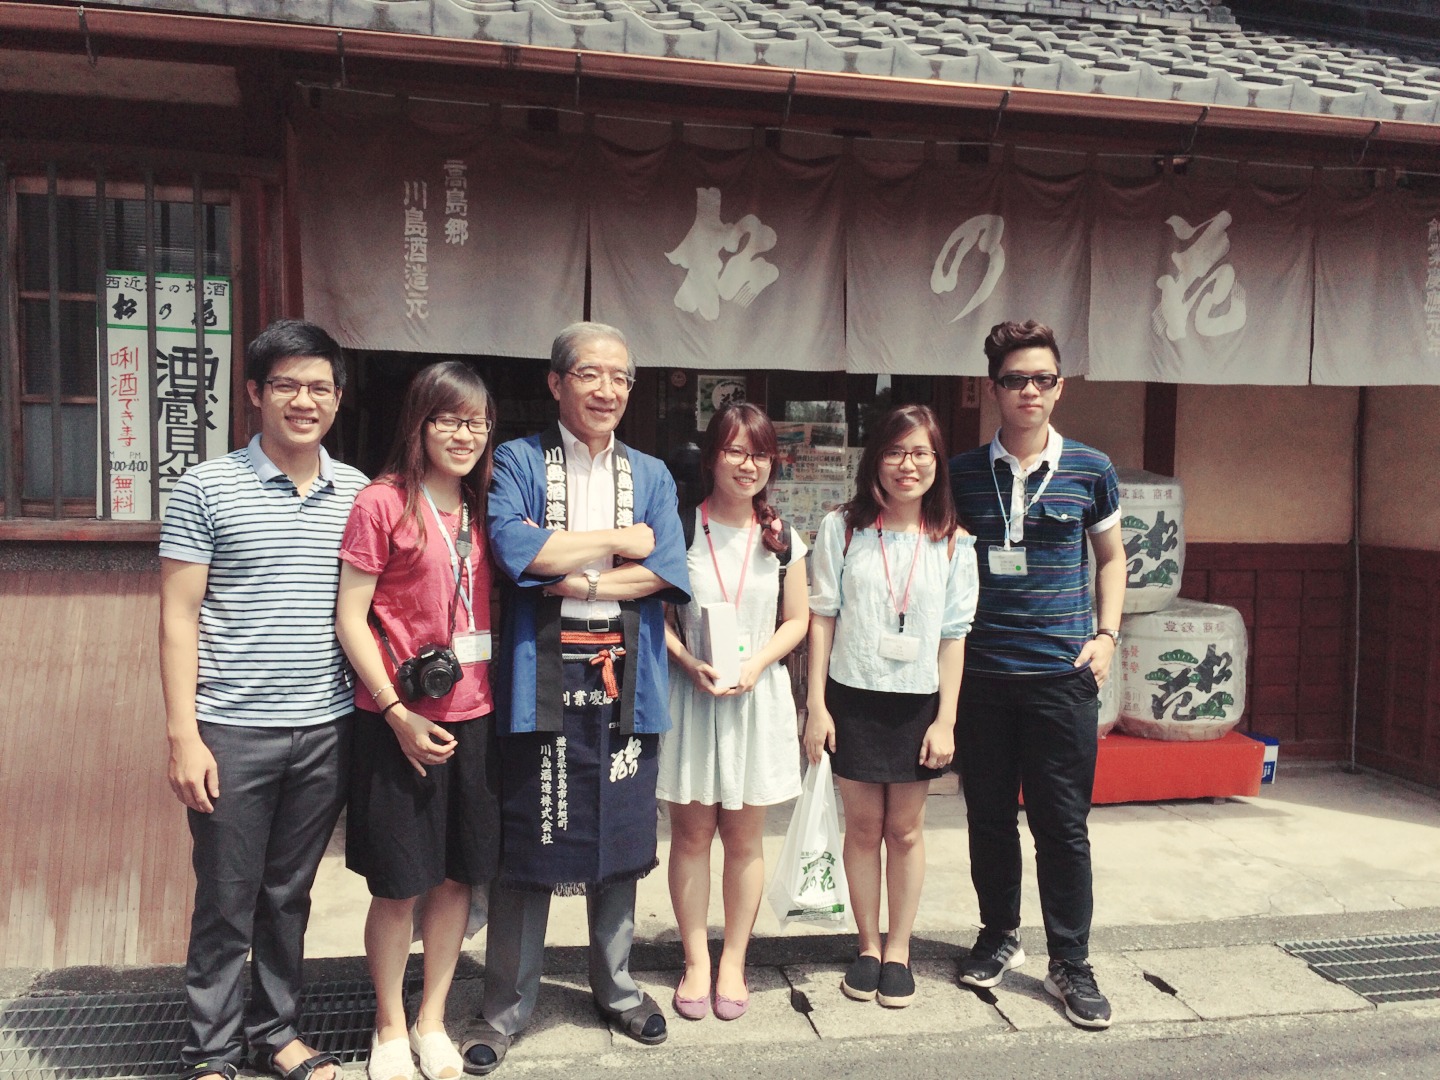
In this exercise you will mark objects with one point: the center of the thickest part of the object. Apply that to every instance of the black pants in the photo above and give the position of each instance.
(255, 858)
(1039, 733)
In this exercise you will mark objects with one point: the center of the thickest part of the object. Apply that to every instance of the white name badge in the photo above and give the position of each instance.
(899, 646)
(472, 648)
(1008, 562)
(743, 641)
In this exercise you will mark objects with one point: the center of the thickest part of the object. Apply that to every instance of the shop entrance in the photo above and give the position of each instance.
(371, 406)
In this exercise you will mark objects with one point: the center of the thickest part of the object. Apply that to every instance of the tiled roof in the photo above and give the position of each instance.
(1173, 50)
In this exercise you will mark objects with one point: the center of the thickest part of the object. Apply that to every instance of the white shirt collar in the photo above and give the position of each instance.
(575, 446)
(1050, 455)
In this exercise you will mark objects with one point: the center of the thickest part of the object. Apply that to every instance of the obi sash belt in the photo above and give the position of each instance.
(549, 662)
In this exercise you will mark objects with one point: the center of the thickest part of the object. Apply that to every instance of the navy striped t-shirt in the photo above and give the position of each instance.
(268, 652)
(1036, 624)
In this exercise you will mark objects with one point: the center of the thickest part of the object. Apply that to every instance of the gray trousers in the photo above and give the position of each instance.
(255, 858)
(515, 952)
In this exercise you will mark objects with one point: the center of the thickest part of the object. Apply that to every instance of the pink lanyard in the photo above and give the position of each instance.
(749, 541)
(904, 604)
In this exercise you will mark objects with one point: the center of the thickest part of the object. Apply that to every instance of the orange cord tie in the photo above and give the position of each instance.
(606, 658)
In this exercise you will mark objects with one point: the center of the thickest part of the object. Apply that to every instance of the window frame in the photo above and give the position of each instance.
(79, 518)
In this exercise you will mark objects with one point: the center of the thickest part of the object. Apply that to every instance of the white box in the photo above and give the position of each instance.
(720, 642)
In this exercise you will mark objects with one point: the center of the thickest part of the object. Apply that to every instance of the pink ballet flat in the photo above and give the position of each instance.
(730, 1009)
(690, 1008)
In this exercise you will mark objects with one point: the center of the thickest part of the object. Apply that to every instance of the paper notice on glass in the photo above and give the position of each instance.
(720, 642)
(192, 391)
(714, 392)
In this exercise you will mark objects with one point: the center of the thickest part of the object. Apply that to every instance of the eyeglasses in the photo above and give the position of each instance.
(590, 378)
(733, 455)
(921, 458)
(448, 425)
(285, 389)
(1046, 380)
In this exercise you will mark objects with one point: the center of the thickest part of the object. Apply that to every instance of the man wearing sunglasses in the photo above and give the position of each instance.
(1034, 663)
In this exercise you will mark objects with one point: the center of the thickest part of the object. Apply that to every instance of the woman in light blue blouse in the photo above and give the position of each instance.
(894, 586)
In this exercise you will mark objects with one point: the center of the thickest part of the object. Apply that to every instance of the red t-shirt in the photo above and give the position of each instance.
(412, 596)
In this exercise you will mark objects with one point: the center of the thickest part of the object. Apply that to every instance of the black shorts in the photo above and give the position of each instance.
(406, 833)
(878, 734)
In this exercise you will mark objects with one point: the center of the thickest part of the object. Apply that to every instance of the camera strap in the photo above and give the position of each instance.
(459, 553)
(384, 640)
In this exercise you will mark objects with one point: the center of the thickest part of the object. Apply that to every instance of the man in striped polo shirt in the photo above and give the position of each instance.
(1034, 663)
(258, 700)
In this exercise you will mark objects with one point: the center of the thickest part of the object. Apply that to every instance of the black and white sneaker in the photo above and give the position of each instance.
(1073, 982)
(994, 953)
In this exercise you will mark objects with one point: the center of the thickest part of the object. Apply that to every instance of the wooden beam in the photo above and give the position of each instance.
(1160, 412)
(30, 71)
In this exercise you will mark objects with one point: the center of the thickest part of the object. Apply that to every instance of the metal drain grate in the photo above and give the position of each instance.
(139, 1034)
(1402, 967)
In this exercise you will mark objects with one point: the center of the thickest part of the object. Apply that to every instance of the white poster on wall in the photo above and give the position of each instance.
(182, 378)
(713, 393)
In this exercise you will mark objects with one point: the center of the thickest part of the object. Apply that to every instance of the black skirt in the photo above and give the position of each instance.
(878, 734)
(406, 833)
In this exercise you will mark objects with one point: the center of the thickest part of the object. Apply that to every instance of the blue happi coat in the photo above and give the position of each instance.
(517, 492)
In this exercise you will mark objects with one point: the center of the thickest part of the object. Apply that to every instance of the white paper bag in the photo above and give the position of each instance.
(809, 883)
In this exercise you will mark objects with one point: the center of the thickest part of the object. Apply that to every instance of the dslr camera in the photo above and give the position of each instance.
(432, 672)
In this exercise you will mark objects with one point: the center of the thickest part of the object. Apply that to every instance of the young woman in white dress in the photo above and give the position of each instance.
(732, 751)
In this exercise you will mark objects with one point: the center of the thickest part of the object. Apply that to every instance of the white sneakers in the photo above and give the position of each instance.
(394, 1060)
(439, 1060)
(389, 1060)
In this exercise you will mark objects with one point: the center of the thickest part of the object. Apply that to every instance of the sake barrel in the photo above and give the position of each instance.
(1182, 672)
(1110, 692)
(1152, 528)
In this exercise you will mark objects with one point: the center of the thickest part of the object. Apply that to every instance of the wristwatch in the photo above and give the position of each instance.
(1113, 635)
(593, 577)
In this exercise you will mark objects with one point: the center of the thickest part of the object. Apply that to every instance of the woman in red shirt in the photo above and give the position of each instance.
(413, 616)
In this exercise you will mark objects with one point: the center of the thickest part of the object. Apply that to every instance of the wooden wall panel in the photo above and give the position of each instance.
(95, 867)
(1298, 611)
(1399, 713)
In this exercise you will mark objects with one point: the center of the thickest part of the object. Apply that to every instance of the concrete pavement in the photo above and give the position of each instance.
(1319, 841)
(1191, 898)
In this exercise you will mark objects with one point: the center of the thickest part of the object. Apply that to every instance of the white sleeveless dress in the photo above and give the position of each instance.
(743, 749)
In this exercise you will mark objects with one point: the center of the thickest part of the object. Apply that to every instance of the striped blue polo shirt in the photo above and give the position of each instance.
(1036, 624)
(268, 652)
